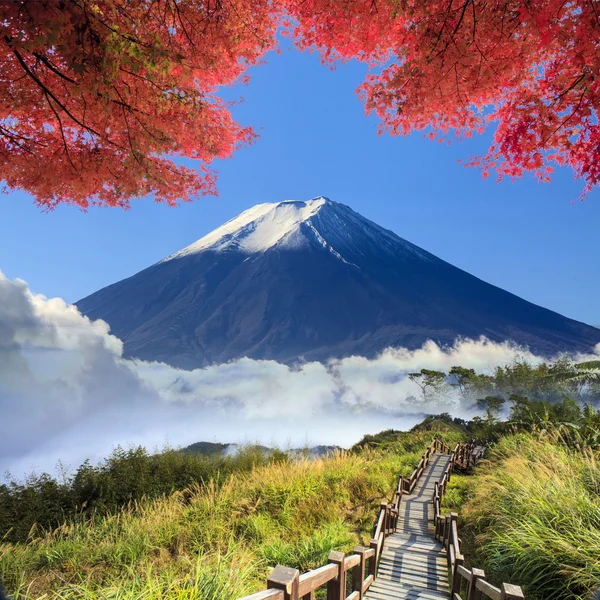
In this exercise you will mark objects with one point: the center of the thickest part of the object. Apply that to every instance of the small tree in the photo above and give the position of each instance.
(492, 406)
(462, 379)
(582, 376)
(429, 381)
(522, 410)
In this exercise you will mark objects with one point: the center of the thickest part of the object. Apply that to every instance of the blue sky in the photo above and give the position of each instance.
(528, 238)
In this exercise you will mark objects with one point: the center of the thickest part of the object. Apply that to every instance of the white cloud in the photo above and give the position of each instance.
(66, 392)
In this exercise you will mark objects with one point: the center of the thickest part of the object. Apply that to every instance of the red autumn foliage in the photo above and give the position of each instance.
(532, 67)
(97, 95)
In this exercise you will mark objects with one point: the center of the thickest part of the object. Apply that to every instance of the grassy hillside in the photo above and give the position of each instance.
(401, 441)
(530, 514)
(127, 476)
(442, 423)
(215, 540)
(536, 510)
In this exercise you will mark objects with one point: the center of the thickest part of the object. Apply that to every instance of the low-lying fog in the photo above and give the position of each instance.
(67, 393)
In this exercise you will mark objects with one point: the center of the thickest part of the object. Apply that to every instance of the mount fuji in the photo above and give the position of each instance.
(313, 280)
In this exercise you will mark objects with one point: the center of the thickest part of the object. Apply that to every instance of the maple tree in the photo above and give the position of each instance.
(455, 66)
(98, 96)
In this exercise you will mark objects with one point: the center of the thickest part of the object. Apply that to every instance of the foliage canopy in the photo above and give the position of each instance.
(99, 96)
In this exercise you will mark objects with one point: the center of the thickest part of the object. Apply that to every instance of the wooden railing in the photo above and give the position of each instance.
(359, 570)
(470, 583)
(408, 483)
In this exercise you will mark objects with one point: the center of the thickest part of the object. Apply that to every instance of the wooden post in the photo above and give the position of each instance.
(473, 593)
(384, 507)
(358, 574)
(453, 519)
(442, 528)
(446, 530)
(286, 579)
(336, 588)
(373, 559)
(459, 559)
(388, 520)
(511, 592)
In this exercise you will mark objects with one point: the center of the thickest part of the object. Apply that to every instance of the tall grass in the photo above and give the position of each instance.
(536, 509)
(126, 476)
(216, 540)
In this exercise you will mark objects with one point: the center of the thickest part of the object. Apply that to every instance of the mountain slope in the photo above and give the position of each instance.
(314, 280)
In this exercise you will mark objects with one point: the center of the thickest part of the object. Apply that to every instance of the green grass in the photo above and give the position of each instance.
(529, 515)
(414, 440)
(459, 490)
(431, 423)
(536, 512)
(217, 540)
(207, 576)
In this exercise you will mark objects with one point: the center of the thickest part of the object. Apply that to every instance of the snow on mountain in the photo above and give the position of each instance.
(291, 224)
(313, 279)
(257, 229)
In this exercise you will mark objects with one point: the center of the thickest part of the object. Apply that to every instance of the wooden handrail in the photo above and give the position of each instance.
(271, 594)
(309, 582)
(446, 531)
(287, 584)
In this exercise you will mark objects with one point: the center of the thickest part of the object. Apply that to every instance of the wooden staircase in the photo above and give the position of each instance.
(415, 552)
(413, 564)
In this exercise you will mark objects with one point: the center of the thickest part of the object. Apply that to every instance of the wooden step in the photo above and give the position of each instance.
(404, 592)
(428, 572)
(418, 559)
(383, 585)
(421, 548)
(408, 579)
(425, 566)
(433, 544)
(436, 582)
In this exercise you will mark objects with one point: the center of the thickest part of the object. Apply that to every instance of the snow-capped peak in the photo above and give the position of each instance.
(258, 228)
(297, 224)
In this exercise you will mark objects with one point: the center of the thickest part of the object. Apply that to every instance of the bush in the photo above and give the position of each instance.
(43, 503)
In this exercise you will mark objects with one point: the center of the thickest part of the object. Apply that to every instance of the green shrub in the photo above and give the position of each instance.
(125, 477)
